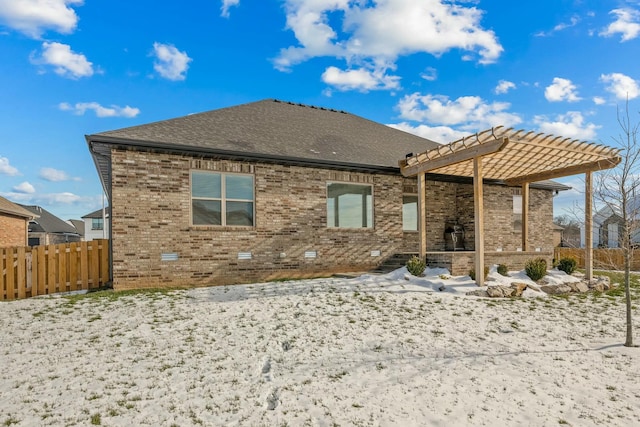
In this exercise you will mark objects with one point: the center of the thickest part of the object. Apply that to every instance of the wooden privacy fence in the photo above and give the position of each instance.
(41, 270)
(607, 259)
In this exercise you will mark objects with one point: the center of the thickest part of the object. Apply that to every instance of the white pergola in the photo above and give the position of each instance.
(517, 158)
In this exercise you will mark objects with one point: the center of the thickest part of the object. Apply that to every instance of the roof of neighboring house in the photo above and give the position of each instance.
(98, 213)
(47, 222)
(275, 131)
(8, 207)
(78, 224)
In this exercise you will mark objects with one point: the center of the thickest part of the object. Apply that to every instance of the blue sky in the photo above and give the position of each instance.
(441, 69)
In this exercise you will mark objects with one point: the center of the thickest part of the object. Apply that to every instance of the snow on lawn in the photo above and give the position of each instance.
(370, 351)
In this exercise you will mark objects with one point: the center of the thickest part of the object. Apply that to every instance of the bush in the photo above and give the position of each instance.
(472, 273)
(503, 270)
(536, 268)
(567, 264)
(416, 266)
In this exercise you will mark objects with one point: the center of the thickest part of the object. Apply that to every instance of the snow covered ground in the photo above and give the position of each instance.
(369, 351)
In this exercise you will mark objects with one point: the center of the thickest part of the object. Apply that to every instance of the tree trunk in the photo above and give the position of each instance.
(627, 292)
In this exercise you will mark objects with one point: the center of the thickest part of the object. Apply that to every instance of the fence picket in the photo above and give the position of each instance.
(84, 265)
(21, 277)
(42, 269)
(95, 265)
(9, 268)
(73, 266)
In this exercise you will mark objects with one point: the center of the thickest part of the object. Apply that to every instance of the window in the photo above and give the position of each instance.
(349, 206)
(517, 213)
(222, 199)
(97, 224)
(410, 212)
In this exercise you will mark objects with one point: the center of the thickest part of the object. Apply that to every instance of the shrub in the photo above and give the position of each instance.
(503, 270)
(472, 273)
(416, 266)
(567, 264)
(536, 268)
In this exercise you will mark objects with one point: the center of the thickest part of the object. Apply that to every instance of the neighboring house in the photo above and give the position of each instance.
(95, 226)
(608, 226)
(48, 229)
(14, 224)
(274, 189)
(78, 224)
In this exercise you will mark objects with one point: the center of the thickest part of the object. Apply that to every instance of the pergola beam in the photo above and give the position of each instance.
(478, 207)
(570, 170)
(456, 157)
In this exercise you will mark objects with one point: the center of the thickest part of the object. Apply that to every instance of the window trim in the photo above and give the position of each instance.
(373, 217)
(93, 227)
(222, 199)
(417, 213)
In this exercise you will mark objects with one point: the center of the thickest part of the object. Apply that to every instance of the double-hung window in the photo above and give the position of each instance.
(97, 224)
(222, 199)
(349, 205)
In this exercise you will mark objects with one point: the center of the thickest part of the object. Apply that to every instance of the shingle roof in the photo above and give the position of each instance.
(270, 130)
(98, 213)
(8, 207)
(47, 222)
(277, 129)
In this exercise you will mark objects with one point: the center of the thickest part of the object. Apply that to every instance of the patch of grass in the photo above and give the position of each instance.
(10, 421)
(96, 420)
(111, 295)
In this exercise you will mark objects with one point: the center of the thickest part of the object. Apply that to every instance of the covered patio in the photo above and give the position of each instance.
(516, 158)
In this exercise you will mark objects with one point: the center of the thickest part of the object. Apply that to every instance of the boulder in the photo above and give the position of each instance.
(500, 291)
(479, 293)
(518, 287)
(579, 287)
(556, 289)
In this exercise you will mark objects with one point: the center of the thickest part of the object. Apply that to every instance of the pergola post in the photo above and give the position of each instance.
(525, 217)
(422, 216)
(588, 225)
(478, 213)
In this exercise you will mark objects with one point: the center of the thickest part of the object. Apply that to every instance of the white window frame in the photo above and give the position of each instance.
(372, 227)
(411, 230)
(223, 198)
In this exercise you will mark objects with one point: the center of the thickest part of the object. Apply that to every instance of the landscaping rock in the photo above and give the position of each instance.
(479, 293)
(579, 287)
(518, 287)
(556, 289)
(600, 284)
(500, 291)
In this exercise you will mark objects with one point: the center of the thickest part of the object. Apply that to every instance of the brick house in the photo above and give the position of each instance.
(14, 224)
(47, 229)
(273, 189)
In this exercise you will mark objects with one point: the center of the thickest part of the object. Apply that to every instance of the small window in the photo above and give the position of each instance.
(349, 206)
(222, 199)
(410, 212)
(97, 224)
(517, 213)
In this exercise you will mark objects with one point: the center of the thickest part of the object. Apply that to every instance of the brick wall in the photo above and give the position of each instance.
(13, 230)
(151, 216)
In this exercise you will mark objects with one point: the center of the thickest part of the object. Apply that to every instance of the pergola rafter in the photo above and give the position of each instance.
(516, 157)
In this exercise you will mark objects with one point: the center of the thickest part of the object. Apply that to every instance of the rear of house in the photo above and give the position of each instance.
(14, 224)
(273, 189)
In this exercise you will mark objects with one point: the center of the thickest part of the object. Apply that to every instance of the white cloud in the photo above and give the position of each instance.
(360, 79)
(33, 17)
(170, 62)
(380, 32)
(112, 111)
(65, 62)
(45, 199)
(441, 134)
(54, 175)
(467, 112)
(627, 23)
(561, 90)
(226, 5)
(621, 85)
(504, 86)
(24, 187)
(6, 168)
(560, 27)
(430, 74)
(570, 125)
(598, 100)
